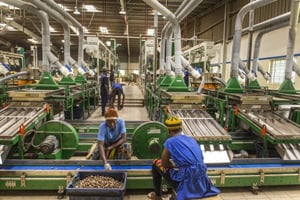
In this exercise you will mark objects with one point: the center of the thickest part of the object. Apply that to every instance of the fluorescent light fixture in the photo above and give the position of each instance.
(150, 32)
(90, 8)
(63, 7)
(103, 30)
(32, 40)
(8, 6)
(153, 12)
(122, 12)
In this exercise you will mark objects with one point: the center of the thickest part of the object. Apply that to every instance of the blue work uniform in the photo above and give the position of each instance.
(117, 86)
(191, 175)
(109, 136)
(103, 92)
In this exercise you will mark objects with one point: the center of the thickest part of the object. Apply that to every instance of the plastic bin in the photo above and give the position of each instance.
(97, 193)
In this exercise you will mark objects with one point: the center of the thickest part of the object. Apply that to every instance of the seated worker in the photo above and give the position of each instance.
(111, 135)
(181, 166)
(117, 89)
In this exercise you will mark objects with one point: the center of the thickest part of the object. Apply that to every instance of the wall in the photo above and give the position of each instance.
(273, 44)
(129, 69)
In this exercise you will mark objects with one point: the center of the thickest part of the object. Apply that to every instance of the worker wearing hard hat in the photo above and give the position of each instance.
(181, 166)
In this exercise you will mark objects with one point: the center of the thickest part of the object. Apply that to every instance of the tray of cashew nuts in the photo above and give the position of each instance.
(97, 185)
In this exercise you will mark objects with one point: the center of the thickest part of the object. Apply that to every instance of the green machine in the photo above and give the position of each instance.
(147, 140)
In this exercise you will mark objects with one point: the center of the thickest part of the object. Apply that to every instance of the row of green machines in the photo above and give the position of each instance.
(244, 140)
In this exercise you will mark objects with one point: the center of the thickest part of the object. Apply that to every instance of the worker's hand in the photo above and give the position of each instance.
(109, 148)
(107, 167)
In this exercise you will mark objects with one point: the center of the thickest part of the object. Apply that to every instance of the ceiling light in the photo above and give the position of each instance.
(32, 40)
(122, 12)
(90, 8)
(63, 7)
(76, 11)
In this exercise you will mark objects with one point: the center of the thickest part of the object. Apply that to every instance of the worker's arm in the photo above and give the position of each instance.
(118, 143)
(165, 159)
(102, 151)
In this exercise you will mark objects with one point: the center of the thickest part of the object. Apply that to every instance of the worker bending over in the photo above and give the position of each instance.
(117, 90)
(181, 166)
(111, 135)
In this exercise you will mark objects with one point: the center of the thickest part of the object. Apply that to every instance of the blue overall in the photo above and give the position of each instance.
(191, 175)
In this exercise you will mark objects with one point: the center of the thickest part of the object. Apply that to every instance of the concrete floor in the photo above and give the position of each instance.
(140, 114)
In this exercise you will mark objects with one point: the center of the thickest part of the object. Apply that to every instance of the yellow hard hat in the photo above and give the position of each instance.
(173, 123)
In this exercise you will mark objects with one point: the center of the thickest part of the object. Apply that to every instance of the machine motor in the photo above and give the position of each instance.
(49, 144)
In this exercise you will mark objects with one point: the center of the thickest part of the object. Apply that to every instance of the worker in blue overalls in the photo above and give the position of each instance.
(117, 90)
(181, 166)
(104, 90)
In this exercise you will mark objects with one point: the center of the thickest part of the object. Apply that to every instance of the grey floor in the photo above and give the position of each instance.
(140, 114)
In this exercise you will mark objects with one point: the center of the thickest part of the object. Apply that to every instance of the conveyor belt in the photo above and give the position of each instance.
(144, 164)
(54, 174)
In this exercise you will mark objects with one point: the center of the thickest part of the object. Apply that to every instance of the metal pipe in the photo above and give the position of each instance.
(163, 38)
(295, 10)
(46, 52)
(257, 43)
(56, 7)
(191, 5)
(58, 17)
(177, 33)
(270, 22)
(238, 33)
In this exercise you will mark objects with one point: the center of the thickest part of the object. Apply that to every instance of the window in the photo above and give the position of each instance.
(277, 70)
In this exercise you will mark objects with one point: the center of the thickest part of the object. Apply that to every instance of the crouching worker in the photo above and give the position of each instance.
(111, 136)
(117, 90)
(181, 166)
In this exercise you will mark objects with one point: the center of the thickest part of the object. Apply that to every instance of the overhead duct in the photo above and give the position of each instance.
(177, 33)
(295, 10)
(60, 10)
(46, 53)
(163, 47)
(256, 66)
(184, 9)
(58, 17)
(238, 33)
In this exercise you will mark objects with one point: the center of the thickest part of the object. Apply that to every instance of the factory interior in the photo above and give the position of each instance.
(228, 68)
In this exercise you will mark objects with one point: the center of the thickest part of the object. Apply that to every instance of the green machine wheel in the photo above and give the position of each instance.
(148, 139)
(59, 135)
